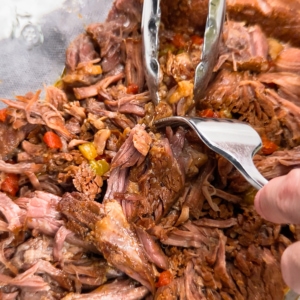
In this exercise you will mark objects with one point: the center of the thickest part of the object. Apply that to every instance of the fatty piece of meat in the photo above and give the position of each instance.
(118, 289)
(111, 234)
(30, 252)
(288, 60)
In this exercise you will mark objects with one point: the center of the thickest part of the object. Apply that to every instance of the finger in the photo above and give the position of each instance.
(279, 200)
(290, 266)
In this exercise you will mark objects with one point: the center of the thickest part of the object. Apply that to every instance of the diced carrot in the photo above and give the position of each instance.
(165, 278)
(3, 114)
(179, 41)
(268, 146)
(132, 89)
(197, 40)
(52, 140)
(10, 184)
(208, 113)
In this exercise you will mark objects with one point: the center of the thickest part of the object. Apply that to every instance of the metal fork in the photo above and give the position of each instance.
(236, 141)
(212, 35)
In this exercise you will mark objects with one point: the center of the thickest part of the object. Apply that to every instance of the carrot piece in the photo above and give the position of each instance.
(268, 146)
(132, 89)
(197, 40)
(165, 278)
(52, 140)
(208, 113)
(10, 184)
(179, 41)
(3, 114)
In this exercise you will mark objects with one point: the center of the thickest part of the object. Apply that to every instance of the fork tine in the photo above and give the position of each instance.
(212, 37)
(150, 27)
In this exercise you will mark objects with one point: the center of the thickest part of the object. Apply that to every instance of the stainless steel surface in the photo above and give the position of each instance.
(34, 36)
(150, 28)
(212, 37)
(236, 141)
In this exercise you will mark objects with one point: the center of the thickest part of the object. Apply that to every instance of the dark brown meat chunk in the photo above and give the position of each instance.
(11, 139)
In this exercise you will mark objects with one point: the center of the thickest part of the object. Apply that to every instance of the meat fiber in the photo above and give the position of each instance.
(111, 234)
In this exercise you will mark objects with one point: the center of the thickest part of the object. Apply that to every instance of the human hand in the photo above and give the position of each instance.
(279, 202)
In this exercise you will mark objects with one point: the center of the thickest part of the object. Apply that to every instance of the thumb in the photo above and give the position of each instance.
(290, 266)
(279, 200)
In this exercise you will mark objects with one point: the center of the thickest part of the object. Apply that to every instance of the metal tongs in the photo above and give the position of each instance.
(236, 141)
(212, 36)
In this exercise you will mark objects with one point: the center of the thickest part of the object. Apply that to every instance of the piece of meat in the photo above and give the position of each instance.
(118, 289)
(56, 97)
(11, 212)
(276, 18)
(278, 163)
(247, 99)
(288, 114)
(112, 235)
(160, 179)
(130, 104)
(134, 72)
(11, 139)
(80, 50)
(216, 223)
(95, 89)
(134, 149)
(288, 60)
(26, 280)
(38, 113)
(30, 252)
(288, 84)
(87, 181)
(246, 48)
(119, 119)
(91, 272)
(195, 197)
(220, 269)
(171, 291)
(59, 240)
(152, 250)
(193, 283)
(116, 182)
(180, 66)
(41, 212)
(184, 13)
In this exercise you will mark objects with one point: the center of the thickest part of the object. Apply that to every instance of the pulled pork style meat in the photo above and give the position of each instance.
(96, 203)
